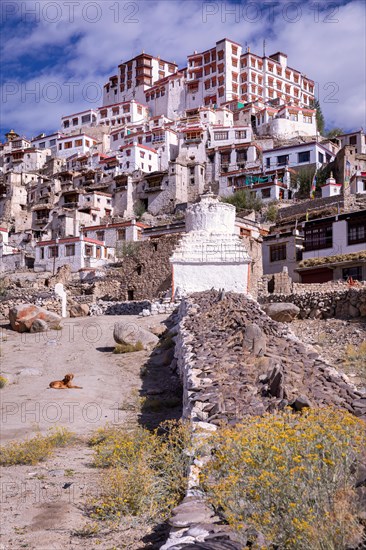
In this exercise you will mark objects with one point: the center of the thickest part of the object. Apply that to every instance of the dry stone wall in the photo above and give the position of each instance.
(236, 361)
(344, 303)
(144, 272)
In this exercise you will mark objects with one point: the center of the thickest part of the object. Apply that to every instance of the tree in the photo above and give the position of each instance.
(272, 212)
(334, 132)
(320, 122)
(304, 177)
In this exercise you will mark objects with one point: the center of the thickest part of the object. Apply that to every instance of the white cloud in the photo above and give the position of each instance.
(328, 52)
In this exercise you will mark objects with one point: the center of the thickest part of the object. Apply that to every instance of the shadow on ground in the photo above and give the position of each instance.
(163, 398)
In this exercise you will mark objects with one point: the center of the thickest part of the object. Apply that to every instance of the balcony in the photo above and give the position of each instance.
(41, 206)
(41, 221)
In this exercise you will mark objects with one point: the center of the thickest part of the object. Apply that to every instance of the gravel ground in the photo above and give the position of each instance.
(330, 338)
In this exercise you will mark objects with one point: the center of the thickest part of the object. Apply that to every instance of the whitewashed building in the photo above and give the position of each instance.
(79, 144)
(297, 155)
(358, 182)
(334, 239)
(77, 252)
(331, 187)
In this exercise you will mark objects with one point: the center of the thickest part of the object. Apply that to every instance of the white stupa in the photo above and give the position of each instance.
(211, 254)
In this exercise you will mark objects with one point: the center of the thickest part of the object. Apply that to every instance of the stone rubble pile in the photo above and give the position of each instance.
(344, 303)
(235, 361)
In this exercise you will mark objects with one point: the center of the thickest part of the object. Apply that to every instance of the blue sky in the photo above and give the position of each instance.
(57, 53)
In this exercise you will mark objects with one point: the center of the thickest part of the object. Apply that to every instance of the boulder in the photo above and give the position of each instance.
(22, 317)
(131, 333)
(254, 339)
(39, 325)
(79, 310)
(282, 312)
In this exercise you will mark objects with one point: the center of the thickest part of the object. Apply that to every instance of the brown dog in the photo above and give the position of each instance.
(65, 383)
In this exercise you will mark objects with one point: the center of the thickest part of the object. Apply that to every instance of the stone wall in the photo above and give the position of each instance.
(324, 303)
(144, 272)
(302, 207)
(235, 361)
(144, 307)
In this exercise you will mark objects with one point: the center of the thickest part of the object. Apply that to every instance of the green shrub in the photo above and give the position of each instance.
(244, 200)
(291, 476)
(3, 381)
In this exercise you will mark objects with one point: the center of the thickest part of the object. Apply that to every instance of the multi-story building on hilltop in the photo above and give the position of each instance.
(134, 77)
(269, 79)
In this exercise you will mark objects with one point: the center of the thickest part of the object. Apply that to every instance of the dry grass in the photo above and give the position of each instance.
(128, 348)
(35, 449)
(356, 256)
(145, 472)
(290, 476)
(355, 359)
(3, 381)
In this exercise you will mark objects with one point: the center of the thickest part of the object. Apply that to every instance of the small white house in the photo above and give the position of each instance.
(358, 182)
(78, 252)
(113, 233)
(72, 145)
(331, 188)
(298, 155)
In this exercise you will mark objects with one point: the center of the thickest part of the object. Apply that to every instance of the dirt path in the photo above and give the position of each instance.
(43, 505)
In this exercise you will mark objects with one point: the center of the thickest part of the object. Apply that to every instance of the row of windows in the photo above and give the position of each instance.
(53, 251)
(303, 156)
(71, 144)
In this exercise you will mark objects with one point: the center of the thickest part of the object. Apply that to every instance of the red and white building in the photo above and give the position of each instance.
(331, 187)
(271, 79)
(77, 252)
(79, 144)
(134, 77)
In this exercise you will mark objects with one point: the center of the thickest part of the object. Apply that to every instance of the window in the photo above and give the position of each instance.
(42, 145)
(320, 158)
(354, 272)
(317, 238)
(353, 140)
(241, 156)
(356, 232)
(42, 253)
(85, 118)
(52, 142)
(66, 123)
(304, 156)
(70, 250)
(115, 137)
(53, 252)
(100, 235)
(268, 162)
(128, 152)
(277, 252)
(266, 193)
(121, 234)
(88, 250)
(221, 135)
(78, 143)
(308, 119)
(240, 134)
(75, 121)
(282, 160)
(68, 145)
